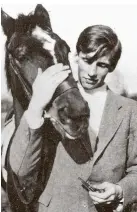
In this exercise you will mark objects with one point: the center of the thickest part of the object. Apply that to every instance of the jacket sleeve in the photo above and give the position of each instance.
(129, 182)
(25, 159)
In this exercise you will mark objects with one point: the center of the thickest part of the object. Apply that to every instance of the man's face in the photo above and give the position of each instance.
(91, 72)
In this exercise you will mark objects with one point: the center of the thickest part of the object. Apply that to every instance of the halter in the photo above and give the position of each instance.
(24, 83)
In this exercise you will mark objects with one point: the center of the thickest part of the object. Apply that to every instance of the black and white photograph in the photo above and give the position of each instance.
(69, 106)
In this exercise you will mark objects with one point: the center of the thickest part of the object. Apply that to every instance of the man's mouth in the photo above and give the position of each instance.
(91, 81)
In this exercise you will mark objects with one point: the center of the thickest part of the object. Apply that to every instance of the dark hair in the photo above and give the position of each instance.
(101, 38)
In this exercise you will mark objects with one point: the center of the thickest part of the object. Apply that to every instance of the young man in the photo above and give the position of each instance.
(112, 134)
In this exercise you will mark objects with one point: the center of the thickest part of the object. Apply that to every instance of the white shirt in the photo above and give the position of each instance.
(96, 99)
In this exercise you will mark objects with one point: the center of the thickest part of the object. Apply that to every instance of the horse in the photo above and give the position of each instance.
(28, 41)
(31, 43)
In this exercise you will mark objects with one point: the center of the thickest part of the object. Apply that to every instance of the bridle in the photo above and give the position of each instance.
(24, 84)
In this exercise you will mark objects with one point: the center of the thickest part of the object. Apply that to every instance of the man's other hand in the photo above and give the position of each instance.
(109, 193)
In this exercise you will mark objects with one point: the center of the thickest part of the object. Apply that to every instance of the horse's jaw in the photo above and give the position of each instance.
(70, 137)
(60, 128)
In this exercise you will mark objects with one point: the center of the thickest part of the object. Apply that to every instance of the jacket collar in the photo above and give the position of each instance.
(111, 119)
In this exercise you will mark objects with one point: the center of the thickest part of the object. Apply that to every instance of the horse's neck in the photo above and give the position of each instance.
(18, 111)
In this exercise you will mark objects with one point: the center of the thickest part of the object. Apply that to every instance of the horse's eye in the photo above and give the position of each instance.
(21, 52)
(76, 119)
(63, 109)
(80, 118)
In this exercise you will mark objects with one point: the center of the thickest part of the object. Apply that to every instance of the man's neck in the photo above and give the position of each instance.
(102, 88)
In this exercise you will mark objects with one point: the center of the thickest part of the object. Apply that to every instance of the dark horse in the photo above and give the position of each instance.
(31, 44)
(28, 41)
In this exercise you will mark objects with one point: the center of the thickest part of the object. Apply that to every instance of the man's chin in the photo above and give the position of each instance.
(90, 87)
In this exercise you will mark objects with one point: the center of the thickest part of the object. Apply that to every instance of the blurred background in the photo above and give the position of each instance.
(68, 20)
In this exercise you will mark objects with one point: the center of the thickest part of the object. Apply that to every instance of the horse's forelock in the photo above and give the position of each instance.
(24, 23)
(27, 23)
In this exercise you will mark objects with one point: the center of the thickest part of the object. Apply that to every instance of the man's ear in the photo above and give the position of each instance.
(111, 69)
(42, 17)
(8, 23)
(76, 57)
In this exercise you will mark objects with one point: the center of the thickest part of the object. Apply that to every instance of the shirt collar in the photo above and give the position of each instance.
(103, 88)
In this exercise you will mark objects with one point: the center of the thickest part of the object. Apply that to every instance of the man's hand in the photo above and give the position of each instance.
(110, 193)
(45, 85)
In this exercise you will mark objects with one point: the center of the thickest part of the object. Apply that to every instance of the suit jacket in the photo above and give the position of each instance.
(32, 154)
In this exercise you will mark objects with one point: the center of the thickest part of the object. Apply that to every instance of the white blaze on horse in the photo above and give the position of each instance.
(31, 43)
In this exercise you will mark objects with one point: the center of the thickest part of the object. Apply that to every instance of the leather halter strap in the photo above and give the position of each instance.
(67, 84)
(24, 83)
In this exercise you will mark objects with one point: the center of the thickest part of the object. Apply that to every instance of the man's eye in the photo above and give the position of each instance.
(89, 60)
(85, 60)
(102, 65)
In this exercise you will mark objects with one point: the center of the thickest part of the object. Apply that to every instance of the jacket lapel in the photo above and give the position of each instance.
(111, 119)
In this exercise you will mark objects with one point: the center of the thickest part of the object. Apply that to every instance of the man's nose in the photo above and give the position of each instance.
(92, 71)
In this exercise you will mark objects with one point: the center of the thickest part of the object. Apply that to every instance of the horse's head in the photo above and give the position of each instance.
(31, 44)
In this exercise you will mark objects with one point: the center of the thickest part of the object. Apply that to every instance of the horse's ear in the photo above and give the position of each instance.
(62, 50)
(7, 23)
(42, 17)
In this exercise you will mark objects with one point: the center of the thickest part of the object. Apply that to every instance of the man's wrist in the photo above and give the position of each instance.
(35, 109)
(119, 198)
(34, 115)
(119, 192)
(33, 121)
